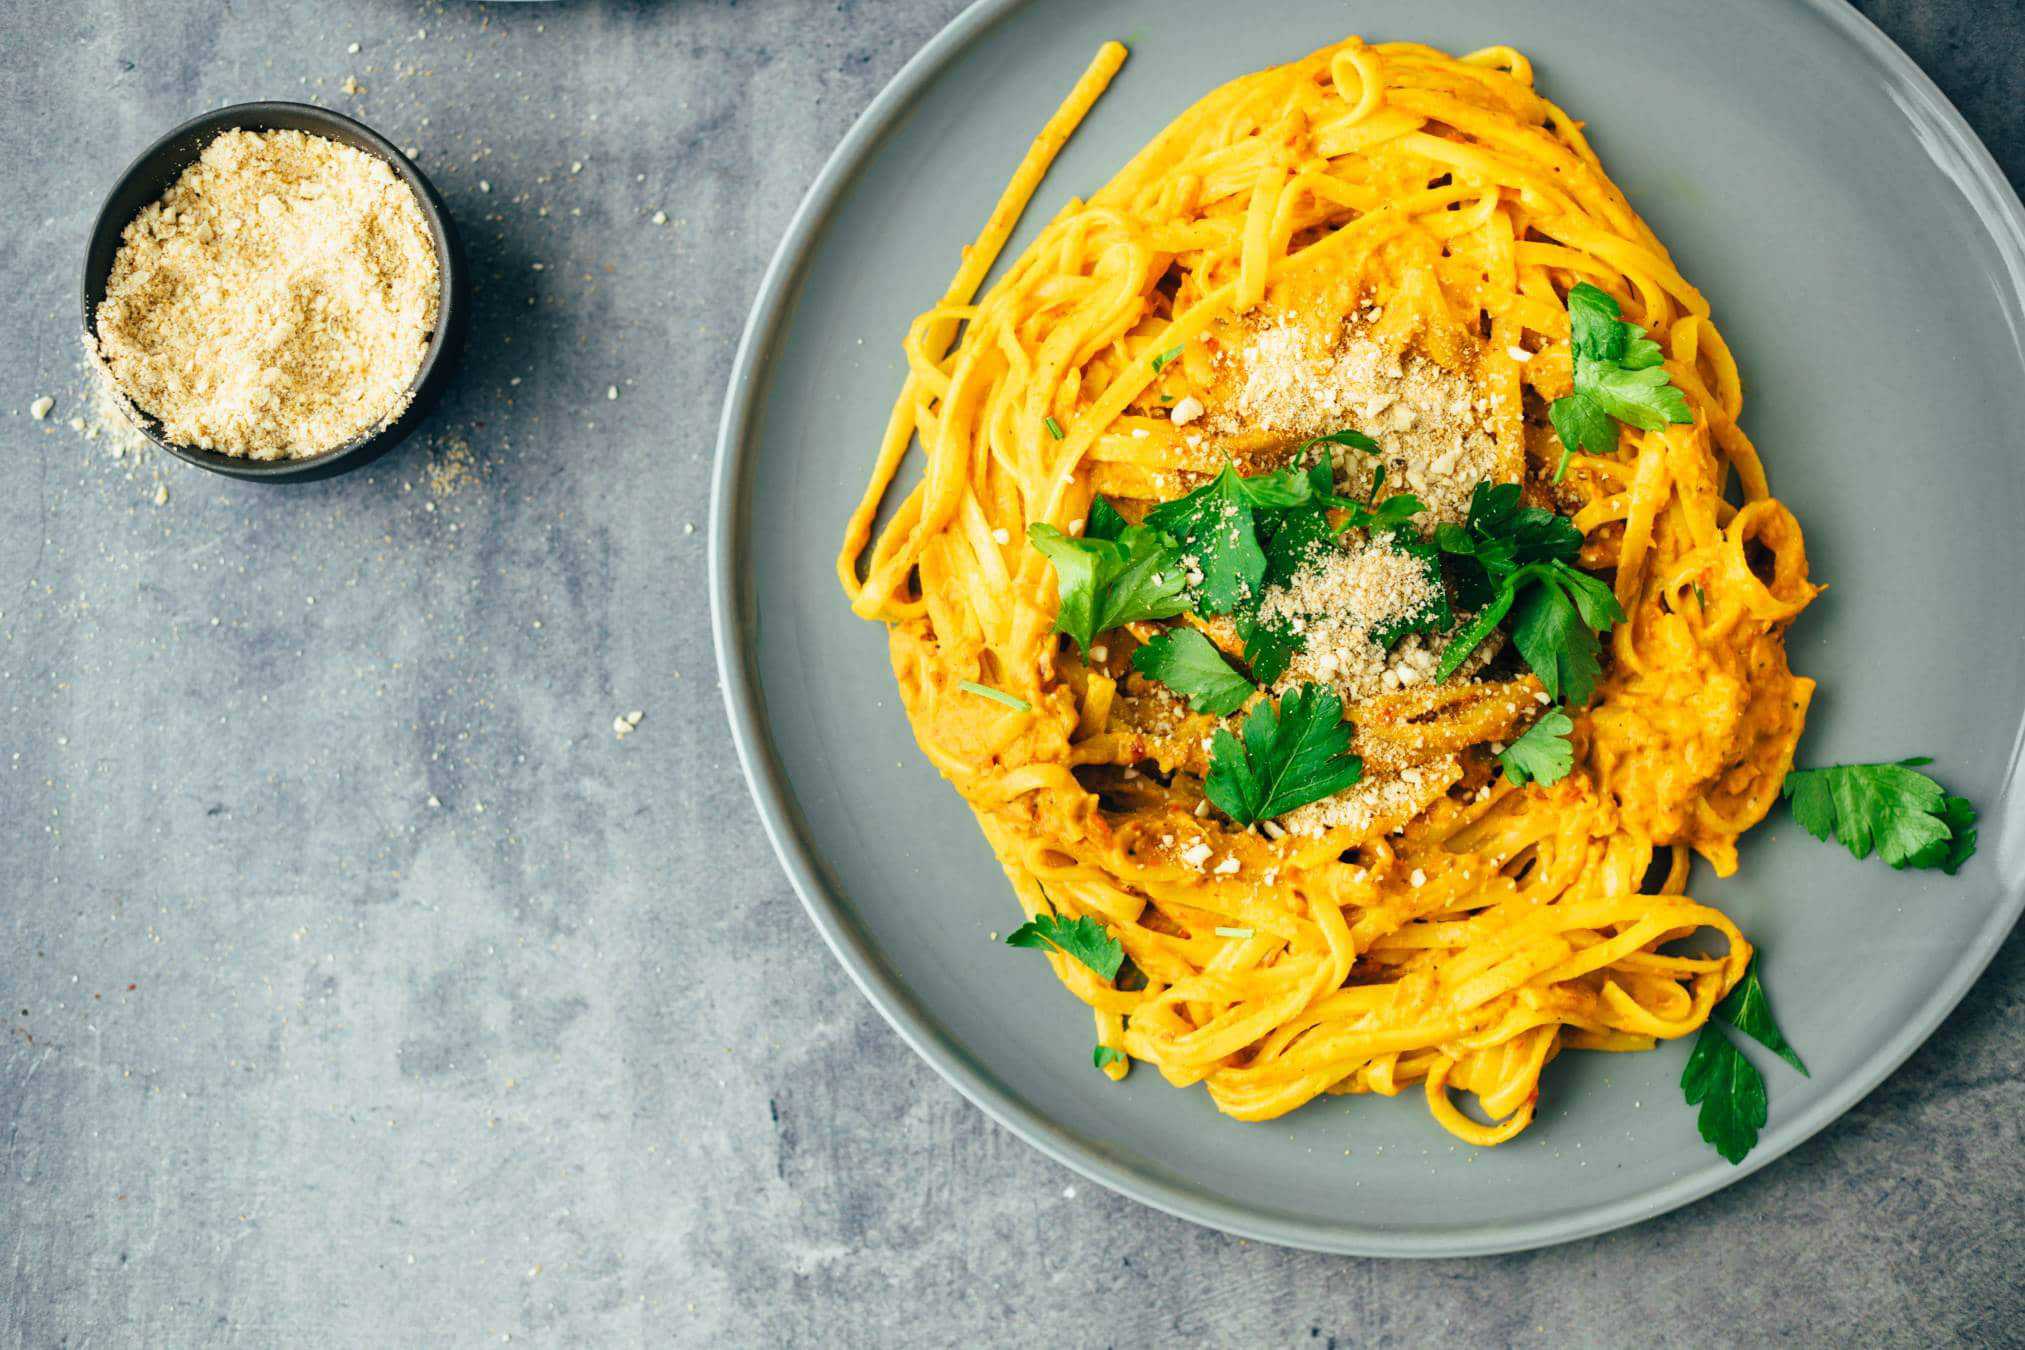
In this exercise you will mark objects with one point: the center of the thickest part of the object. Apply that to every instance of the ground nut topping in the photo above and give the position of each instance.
(277, 301)
(1431, 423)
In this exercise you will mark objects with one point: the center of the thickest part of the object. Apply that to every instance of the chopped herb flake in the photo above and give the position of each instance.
(995, 695)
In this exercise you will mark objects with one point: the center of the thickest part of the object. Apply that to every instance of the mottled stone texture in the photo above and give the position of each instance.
(361, 988)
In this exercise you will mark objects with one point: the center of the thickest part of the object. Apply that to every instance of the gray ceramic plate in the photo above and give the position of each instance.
(1864, 257)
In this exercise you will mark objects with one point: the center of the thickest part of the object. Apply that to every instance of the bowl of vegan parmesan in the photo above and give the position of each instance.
(274, 292)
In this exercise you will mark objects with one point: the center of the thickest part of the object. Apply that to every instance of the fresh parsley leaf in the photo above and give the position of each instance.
(1543, 754)
(1290, 756)
(1498, 537)
(1213, 526)
(1104, 1056)
(1581, 424)
(1557, 611)
(1540, 535)
(1219, 527)
(1473, 634)
(1551, 629)
(1475, 566)
(1640, 351)
(1269, 647)
(1617, 375)
(1907, 817)
(1644, 398)
(1244, 535)
(1083, 938)
(995, 695)
(1494, 509)
(1370, 514)
(1508, 558)
(1294, 536)
(1291, 539)
(1961, 821)
(1725, 1084)
(1104, 521)
(1189, 663)
(1730, 1091)
(1163, 358)
(1103, 583)
(1749, 1011)
(1222, 526)
(1594, 600)
(1595, 332)
(1082, 567)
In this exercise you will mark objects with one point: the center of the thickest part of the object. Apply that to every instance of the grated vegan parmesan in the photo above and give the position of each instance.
(1335, 601)
(276, 302)
(1429, 421)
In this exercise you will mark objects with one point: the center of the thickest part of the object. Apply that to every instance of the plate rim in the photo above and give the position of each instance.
(1998, 207)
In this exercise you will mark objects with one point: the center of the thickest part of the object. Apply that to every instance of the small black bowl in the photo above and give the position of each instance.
(158, 167)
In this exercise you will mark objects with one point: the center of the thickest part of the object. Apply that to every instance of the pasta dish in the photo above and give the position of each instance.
(1341, 589)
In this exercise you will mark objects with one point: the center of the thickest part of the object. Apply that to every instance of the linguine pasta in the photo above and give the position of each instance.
(1438, 923)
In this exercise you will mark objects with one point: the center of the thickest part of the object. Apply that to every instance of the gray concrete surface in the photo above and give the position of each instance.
(360, 988)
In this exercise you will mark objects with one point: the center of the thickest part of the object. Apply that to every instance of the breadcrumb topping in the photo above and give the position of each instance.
(1336, 601)
(1430, 421)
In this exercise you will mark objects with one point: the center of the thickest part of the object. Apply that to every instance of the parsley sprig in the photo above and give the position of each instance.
(1542, 754)
(1500, 535)
(1390, 514)
(1906, 817)
(1115, 574)
(1730, 1091)
(1618, 378)
(1749, 1011)
(1291, 755)
(1508, 559)
(1083, 938)
(1722, 1082)
(1189, 664)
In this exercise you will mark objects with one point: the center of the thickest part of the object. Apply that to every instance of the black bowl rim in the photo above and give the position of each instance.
(452, 308)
